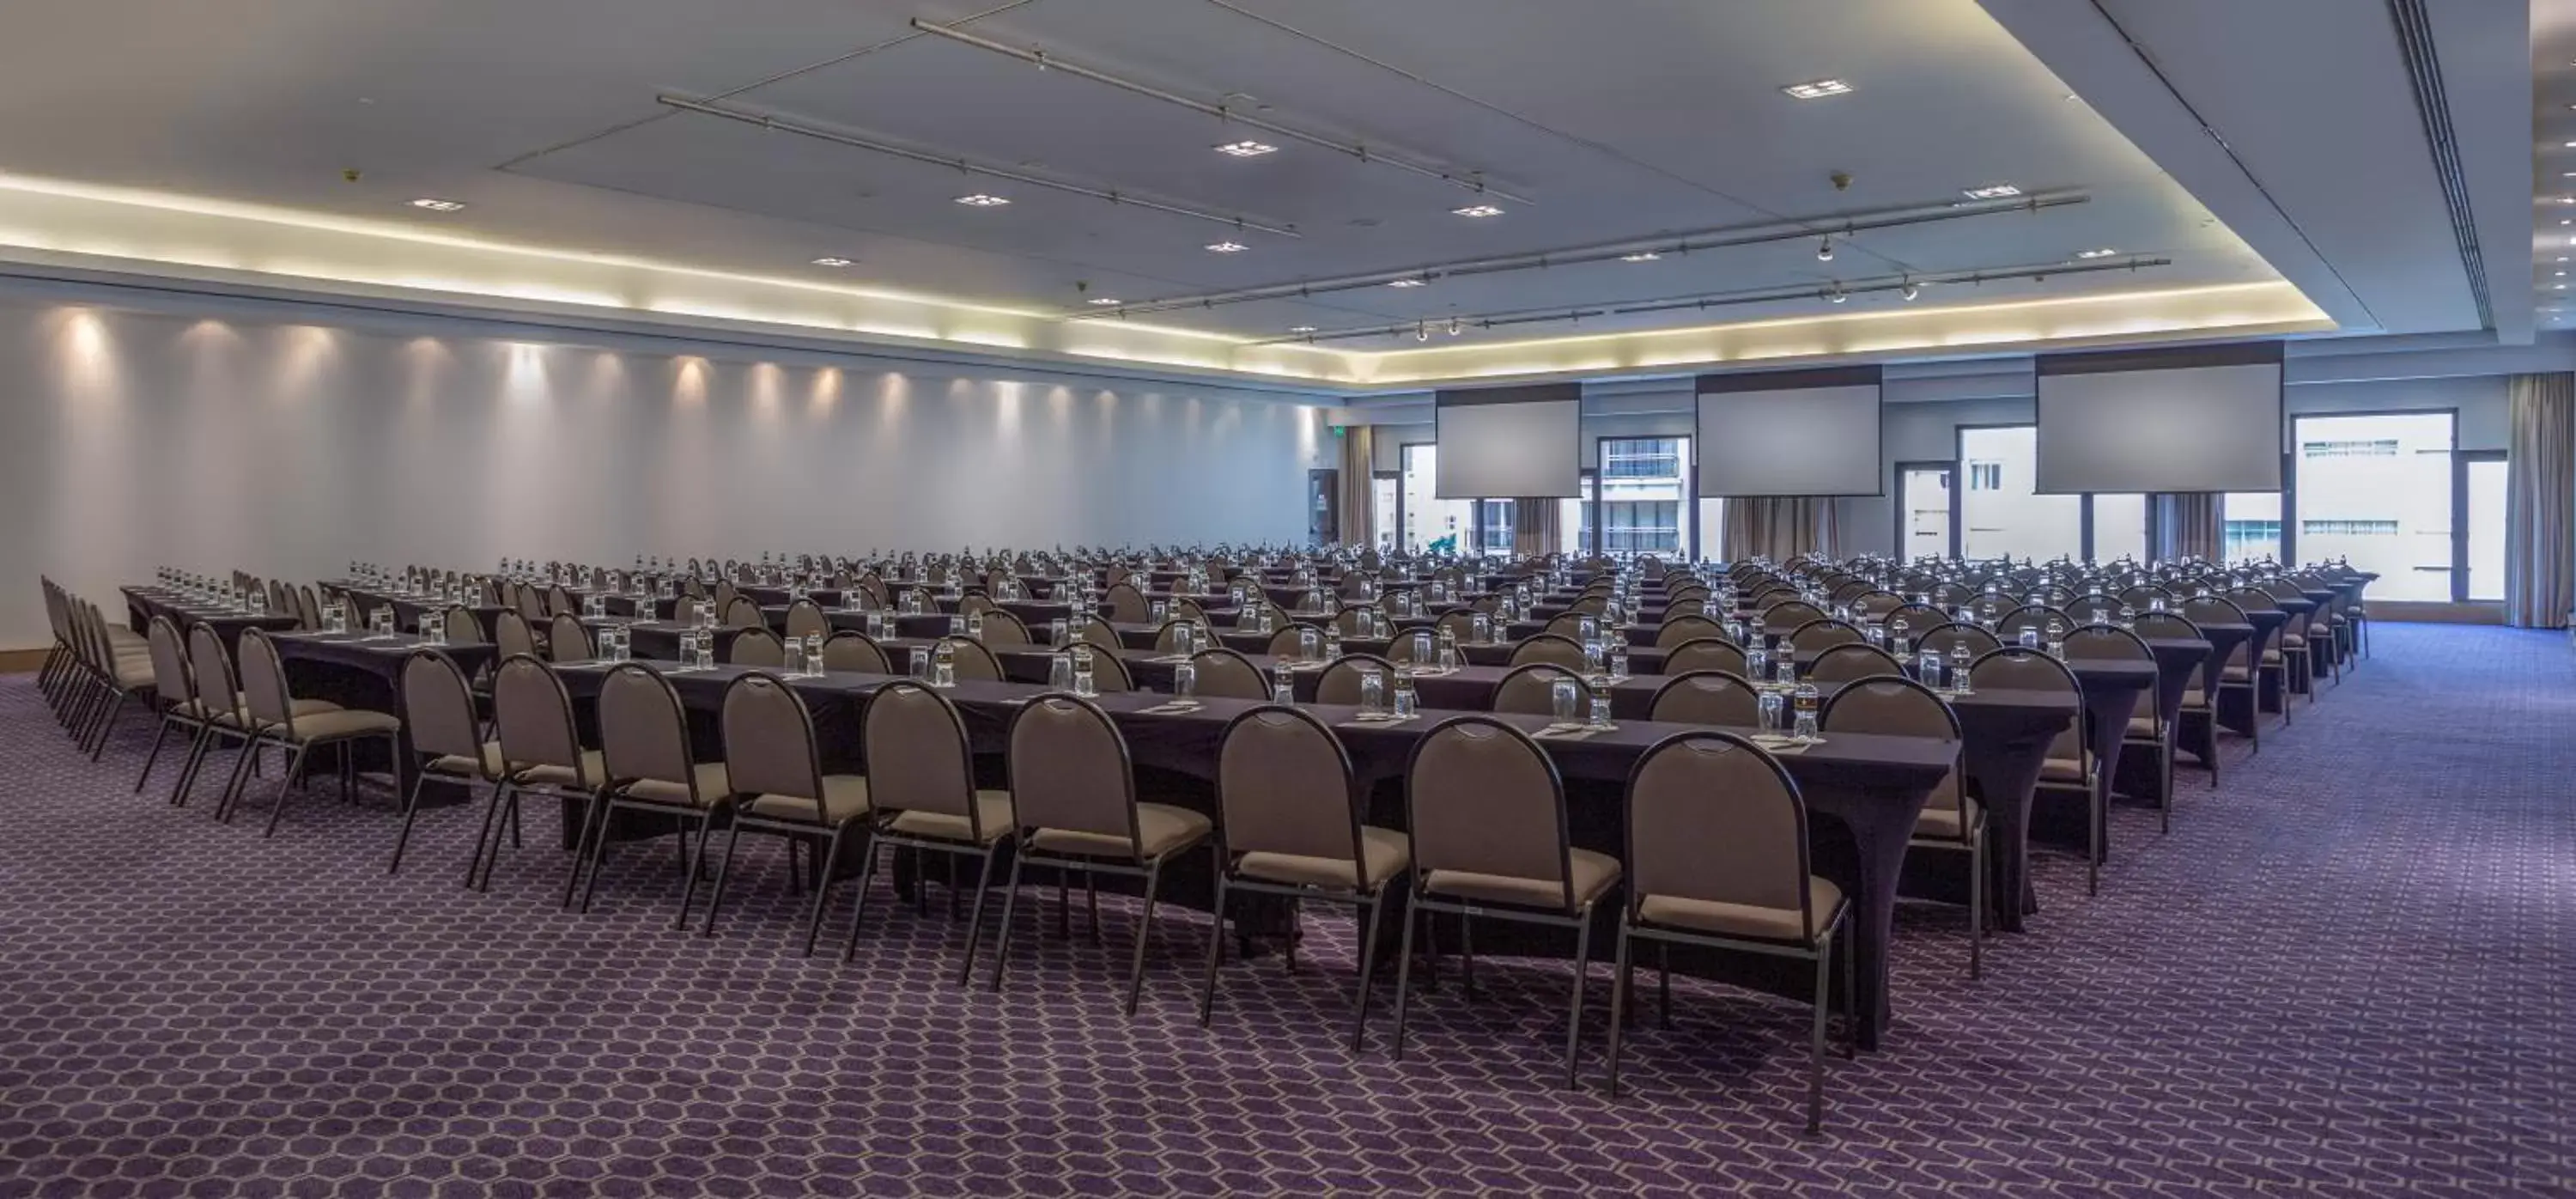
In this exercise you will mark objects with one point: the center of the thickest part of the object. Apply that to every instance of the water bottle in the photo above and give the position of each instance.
(1404, 699)
(1618, 660)
(1599, 715)
(1372, 693)
(1959, 668)
(1332, 642)
(943, 666)
(1448, 648)
(706, 649)
(1056, 631)
(1803, 702)
(975, 624)
(2057, 639)
(813, 652)
(1084, 683)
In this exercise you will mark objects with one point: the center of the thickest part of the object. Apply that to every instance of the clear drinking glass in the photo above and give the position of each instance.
(1757, 660)
(1372, 693)
(2057, 639)
(1060, 672)
(1565, 700)
(920, 663)
(1769, 711)
(1309, 643)
(1056, 631)
(956, 626)
(1448, 642)
(1185, 680)
(1484, 628)
(1928, 669)
(1332, 642)
(1803, 702)
(384, 621)
(795, 656)
(2029, 637)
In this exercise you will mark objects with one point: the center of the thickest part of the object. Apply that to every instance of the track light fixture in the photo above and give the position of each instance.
(1455, 328)
(1421, 332)
(1825, 250)
(1837, 295)
(1911, 289)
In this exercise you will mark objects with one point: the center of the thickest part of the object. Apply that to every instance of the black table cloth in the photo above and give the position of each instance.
(360, 670)
(144, 603)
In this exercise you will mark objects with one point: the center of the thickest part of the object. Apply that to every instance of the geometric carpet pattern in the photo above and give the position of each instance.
(2346, 973)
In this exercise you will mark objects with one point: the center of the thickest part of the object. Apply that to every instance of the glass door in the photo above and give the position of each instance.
(1923, 510)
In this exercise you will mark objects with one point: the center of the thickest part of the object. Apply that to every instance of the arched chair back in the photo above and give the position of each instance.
(855, 652)
(1225, 674)
(1551, 649)
(1704, 653)
(1851, 662)
(1340, 682)
(1708, 697)
(1530, 689)
(758, 648)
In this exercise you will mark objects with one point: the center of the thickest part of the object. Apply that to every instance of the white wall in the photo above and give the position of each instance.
(136, 437)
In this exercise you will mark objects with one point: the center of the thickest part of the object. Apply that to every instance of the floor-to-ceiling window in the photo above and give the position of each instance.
(1432, 524)
(2483, 485)
(2249, 525)
(1645, 496)
(2119, 526)
(1923, 510)
(1494, 526)
(2376, 489)
(1385, 489)
(1999, 515)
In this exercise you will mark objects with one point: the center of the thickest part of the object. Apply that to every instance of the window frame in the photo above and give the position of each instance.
(1896, 531)
(1689, 548)
(2292, 453)
(2460, 462)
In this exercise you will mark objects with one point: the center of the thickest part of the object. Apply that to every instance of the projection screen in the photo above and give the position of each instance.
(2195, 426)
(1509, 441)
(1790, 433)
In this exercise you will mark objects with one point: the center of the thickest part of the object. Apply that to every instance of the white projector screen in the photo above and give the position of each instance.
(1790, 441)
(2195, 428)
(1507, 442)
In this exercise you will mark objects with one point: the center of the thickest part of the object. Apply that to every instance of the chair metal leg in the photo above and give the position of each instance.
(859, 911)
(1663, 981)
(1010, 899)
(1851, 992)
(197, 750)
(1091, 900)
(150, 758)
(1063, 904)
(831, 856)
(411, 812)
(696, 865)
(1413, 914)
(1144, 932)
(975, 919)
(484, 836)
(594, 810)
(1467, 956)
(1288, 943)
(724, 869)
(1574, 1009)
(1816, 1038)
(98, 744)
(277, 806)
(1368, 964)
(1216, 952)
(598, 852)
(1978, 885)
(2095, 801)
(243, 764)
(1618, 1004)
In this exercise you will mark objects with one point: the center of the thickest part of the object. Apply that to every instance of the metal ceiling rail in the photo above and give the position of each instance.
(788, 124)
(1473, 181)
(1721, 237)
(1423, 328)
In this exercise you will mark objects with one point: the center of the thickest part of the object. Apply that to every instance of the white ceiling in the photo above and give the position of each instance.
(1618, 118)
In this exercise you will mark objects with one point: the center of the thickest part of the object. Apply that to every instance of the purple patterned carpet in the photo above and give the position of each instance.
(2346, 973)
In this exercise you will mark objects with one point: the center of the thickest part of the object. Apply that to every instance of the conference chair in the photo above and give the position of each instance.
(758, 648)
(741, 612)
(567, 640)
(1942, 639)
(174, 690)
(647, 767)
(1704, 653)
(1530, 688)
(2236, 674)
(1952, 821)
(1489, 841)
(446, 738)
(1074, 805)
(1817, 636)
(921, 787)
(268, 714)
(777, 778)
(1717, 838)
(1850, 662)
(2069, 767)
(1783, 618)
(1293, 813)
(2146, 730)
(1707, 697)
(1340, 681)
(1225, 674)
(972, 660)
(1677, 630)
(2198, 700)
(1552, 649)
(541, 753)
(854, 652)
(805, 619)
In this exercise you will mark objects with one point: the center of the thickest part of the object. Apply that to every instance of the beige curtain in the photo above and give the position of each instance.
(2540, 502)
(1781, 529)
(1359, 486)
(1534, 526)
(2187, 525)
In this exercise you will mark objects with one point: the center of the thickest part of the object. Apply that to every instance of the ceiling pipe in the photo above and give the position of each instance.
(1473, 181)
(1721, 237)
(1721, 300)
(784, 124)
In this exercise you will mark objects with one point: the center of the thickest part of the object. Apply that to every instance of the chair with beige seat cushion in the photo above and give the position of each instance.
(921, 786)
(1851, 662)
(268, 710)
(446, 738)
(777, 778)
(1708, 697)
(1340, 682)
(1225, 674)
(1552, 649)
(1684, 629)
(541, 752)
(123, 663)
(1292, 807)
(1073, 796)
(742, 612)
(2236, 673)
(1952, 821)
(1704, 653)
(646, 766)
(2146, 730)
(1717, 843)
(512, 635)
(2069, 767)
(2198, 706)
(172, 687)
(2036, 618)
(2288, 655)
(1489, 841)
(1109, 674)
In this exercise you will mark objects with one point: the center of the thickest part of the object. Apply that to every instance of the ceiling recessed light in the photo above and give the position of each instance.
(828, 260)
(2567, 199)
(2104, 252)
(2558, 287)
(2571, 145)
(1478, 210)
(434, 204)
(1406, 282)
(1247, 149)
(1103, 301)
(983, 200)
(1301, 328)
(1994, 191)
(1817, 89)
(1643, 256)
(1226, 247)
